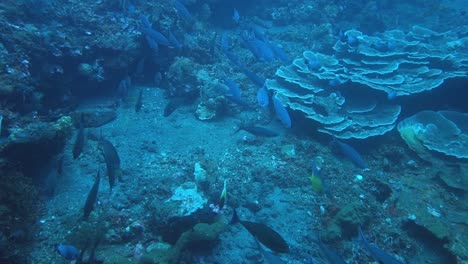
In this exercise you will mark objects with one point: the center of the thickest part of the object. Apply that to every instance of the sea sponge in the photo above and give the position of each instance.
(412, 134)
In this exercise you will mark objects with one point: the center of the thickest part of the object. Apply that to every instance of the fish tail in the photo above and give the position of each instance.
(239, 128)
(118, 173)
(360, 238)
(235, 217)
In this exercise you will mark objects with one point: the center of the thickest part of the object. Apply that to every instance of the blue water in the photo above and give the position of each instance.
(157, 97)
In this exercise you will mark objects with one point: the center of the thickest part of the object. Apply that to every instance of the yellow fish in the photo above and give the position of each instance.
(316, 182)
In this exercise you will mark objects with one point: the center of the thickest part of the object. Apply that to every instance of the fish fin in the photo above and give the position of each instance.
(118, 173)
(239, 127)
(317, 238)
(235, 217)
(360, 237)
(80, 258)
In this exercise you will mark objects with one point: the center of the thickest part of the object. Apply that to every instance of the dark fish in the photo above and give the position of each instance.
(140, 68)
(269, 256)
(79, 141)
(267, 236)
(177, 102)
(351, 154)
(112, 161)
(139, 100)
(69, 252)
(92, 254)
(91, 200)
(124, 86)
(157, 78)
(259, 131)
(329, 254)
(18, 236)
(172, 105)
(378, 254)
(59, 164)
(50, 183)
(213, 44)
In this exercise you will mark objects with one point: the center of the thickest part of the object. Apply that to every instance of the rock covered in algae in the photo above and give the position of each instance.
(199, 233)
(349, 217)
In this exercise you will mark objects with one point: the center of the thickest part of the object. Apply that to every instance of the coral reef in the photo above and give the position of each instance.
(365, 64)
(394, 62)
(443, 132)
(188, 198)
(200, 233)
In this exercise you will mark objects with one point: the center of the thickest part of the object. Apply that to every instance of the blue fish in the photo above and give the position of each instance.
(314, 64)
(391, 45)
(279, 53)
(152, 44)
(258, 131)
(236, 16)
(329, 254)
(392, 95)
(145, 22)
(260, 50)
(69, 252)
(377, 253)
(233, 58)
(157, 36)
(234, 90)
(258, 32)
(335, 82)
(173, 40)
(342, 36)
(224, 41)
(351, 154)
(262, 97)
(124, 87)
(282, 112)
(352, 41)
(235, 93)
(384, 46)
(152, 36)
(183, 11)
(259, 81)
